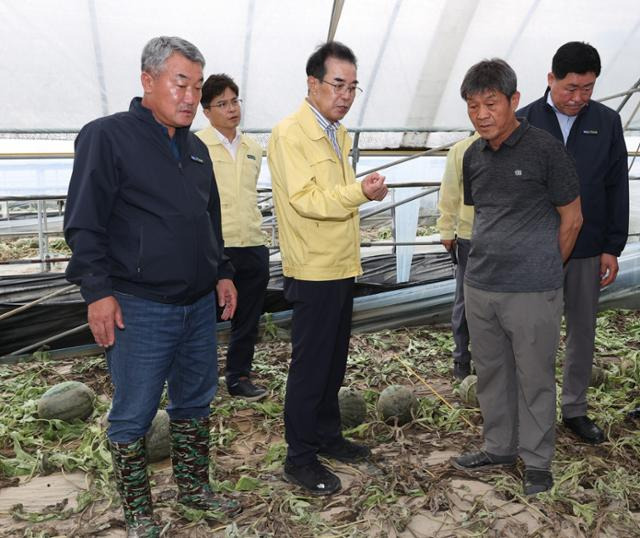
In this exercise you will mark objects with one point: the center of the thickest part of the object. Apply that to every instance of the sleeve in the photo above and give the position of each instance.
(225, 268)
(92, 192)
(562, 178)
(450, 193)
(307, 197)
(466, 179)
(617, 193)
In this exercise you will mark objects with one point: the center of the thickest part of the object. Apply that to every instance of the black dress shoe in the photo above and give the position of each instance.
(346, 452)
(476, 461)
(585, 429)
(244, 388)
(314, 477)
(536, 481)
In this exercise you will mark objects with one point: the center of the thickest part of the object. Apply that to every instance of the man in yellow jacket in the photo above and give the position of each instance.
(236, 162)
(454, 224)
(316, 200)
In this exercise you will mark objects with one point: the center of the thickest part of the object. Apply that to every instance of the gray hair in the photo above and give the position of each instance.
(157, 51)
(494, 74)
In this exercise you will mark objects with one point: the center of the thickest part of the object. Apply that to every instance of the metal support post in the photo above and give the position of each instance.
(41, 236)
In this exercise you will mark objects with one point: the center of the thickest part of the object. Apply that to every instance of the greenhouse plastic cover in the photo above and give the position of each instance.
(66, 62)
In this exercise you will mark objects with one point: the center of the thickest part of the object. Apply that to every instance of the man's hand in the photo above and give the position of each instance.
(608, 269)
(103, 315)
(227, 297)
(570, 224)
(373, 187)
(448, 244)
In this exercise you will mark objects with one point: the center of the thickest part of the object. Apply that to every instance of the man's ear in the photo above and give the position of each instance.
(515, 101)
(147, 82)
(551, 78)
(312, 85)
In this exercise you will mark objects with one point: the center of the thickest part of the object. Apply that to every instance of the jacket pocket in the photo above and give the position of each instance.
(326, 170)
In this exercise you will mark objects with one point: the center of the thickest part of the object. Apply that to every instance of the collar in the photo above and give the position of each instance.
(549, 102)
(324, 122)
(223, 139)
(211, 136)
(144, 114)
(513, 138)
(310, 124)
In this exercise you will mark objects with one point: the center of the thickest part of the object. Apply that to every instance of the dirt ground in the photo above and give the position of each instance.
(55, 481)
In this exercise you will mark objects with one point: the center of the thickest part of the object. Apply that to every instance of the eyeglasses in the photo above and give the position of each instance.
(224, 105)
(342, 88)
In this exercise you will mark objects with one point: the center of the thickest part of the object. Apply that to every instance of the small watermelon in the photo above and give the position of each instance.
(158, 438)
(468, 390)
(397, 402)
(353, 408)
(67, 401)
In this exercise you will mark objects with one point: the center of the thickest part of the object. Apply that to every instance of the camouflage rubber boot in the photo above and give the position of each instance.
(130, 469)
(190, 459)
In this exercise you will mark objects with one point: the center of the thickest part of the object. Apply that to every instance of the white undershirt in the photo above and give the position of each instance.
(566, 122)
(231, 147)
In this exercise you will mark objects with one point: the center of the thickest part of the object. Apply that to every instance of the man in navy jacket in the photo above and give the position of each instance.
(143, 223)
(592, 134)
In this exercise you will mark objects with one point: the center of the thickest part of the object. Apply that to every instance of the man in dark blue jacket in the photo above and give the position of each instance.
(592, 134)
(143, 222)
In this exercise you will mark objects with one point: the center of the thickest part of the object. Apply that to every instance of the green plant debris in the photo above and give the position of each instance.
(27, 247)
(407, 481)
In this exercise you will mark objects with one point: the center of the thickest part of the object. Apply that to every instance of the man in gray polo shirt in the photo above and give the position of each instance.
(524, 188)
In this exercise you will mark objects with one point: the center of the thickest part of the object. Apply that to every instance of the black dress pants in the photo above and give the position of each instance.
(250, 279)
(320, 332)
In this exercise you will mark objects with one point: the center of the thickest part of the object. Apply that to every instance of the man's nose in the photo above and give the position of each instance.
(483, 112)
(191, 95)
(582, 97)
(578, 97)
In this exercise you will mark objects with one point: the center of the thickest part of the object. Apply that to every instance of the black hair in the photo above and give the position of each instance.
(575, 57)
(216, 85)
(331, 49)
(494, 74)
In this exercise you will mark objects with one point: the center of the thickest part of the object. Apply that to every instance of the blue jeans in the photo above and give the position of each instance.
(161, 342)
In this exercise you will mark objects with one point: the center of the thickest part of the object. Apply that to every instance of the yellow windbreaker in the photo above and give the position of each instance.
(236, 180)
(316, 200)
(455, 217)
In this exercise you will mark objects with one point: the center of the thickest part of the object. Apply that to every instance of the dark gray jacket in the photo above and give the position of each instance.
(139, 219)
(596, 142)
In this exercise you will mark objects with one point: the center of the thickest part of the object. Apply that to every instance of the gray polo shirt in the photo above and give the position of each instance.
(515, 191)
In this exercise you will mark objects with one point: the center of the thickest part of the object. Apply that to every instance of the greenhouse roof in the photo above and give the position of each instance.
(67, 62)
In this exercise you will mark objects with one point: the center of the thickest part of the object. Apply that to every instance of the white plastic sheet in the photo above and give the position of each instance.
(66, 62)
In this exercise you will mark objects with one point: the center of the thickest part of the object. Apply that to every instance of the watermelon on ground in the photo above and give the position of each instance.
(397, 403)
(353, 408)
(67, 401)
(158, 438)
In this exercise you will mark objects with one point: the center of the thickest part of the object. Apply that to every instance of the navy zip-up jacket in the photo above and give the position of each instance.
(596, 142)
(138, 219)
